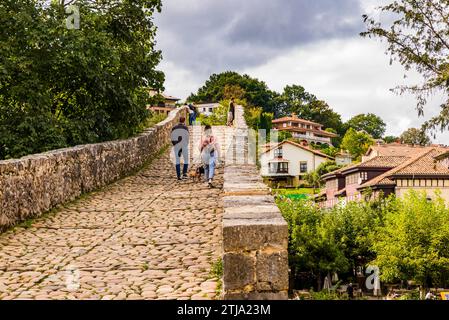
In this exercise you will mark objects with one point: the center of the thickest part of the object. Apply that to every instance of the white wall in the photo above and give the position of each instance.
(295, 155)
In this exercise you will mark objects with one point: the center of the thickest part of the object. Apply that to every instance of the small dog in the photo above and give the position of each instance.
(196, 174)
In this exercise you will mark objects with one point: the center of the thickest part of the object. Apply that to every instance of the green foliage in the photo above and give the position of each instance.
(327, 167)
(296, 100)
(415, 136)
(413, 244)
(217, 269)
(153, 119)
(281, 136)
(326, 295)
(370, 123)
(220, 86)
(218, 117)
(331, 151)
(406, 238)
(313, 179)
(417, 37)
(311, 249)
(390, 139)
(288, 192)
(61, 87)
(357, 143)
(257, 119)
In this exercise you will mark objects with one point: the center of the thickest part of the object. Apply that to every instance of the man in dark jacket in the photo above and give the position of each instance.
(232, 110)
(180, 141)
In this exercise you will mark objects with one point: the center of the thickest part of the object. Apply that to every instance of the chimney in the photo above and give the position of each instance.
(294, 115)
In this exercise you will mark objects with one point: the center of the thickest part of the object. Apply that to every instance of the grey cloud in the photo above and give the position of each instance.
(211, 36)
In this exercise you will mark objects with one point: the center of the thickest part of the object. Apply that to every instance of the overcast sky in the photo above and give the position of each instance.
(313, 43)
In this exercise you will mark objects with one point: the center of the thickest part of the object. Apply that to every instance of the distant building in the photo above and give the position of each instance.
(343, 159)
(390, 169)
(304, 130)
(206, 108)
(286, 163)
(167, 104)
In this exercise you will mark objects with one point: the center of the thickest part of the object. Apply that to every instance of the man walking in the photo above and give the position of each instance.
(180, 141)
(231, 113)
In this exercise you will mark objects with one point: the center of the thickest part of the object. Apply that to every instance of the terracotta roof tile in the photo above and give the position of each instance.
(319, 153)
(384, 162)
(423, 164)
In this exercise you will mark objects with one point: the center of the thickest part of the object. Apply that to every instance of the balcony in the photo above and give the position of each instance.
(278, 168)
(310, 138)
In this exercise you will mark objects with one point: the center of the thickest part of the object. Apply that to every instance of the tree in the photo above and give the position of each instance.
(281, 136)
(415, 136)
(255, 92)
(418, 39)
(413, 243)
(61, 87)
(391, 139)
(369, 123)
(356, 142)
(233, 91)
(296, 100)
(313, 179)
(311, 248)
(327, 167)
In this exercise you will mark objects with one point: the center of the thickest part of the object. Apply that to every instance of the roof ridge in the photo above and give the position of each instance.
(300, 146)
(391, 172)
(412, 160)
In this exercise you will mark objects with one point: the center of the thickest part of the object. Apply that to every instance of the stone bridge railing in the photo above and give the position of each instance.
(37, 183)
(255, 235)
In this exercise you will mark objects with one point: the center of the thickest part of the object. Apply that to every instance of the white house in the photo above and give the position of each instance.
(206, 108)
(304, 130)
(286, 163)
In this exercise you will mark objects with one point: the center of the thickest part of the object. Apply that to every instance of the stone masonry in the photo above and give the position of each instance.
(255, 235)
(37, 183)
(146, 236)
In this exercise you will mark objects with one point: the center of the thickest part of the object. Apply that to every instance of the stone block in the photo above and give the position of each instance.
(272, 270)
(245, 200)
(249, 234)
(36, 183)
(258, 212)
(283, 295)
(239, 271)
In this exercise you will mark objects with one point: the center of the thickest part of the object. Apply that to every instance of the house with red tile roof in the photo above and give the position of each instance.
(390, 169)
(305, 130)
(285, 164)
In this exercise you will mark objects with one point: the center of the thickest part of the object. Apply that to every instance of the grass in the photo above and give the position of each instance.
(298, 191)
(216, 272)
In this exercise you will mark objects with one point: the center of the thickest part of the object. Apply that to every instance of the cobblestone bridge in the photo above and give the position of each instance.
(146, 236)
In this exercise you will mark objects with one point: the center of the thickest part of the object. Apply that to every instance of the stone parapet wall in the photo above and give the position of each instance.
(255, 235)
(34, 184)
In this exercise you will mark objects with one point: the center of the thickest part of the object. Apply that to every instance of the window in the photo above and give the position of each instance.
(210, 109)
(278, 153)
(364, 176)
(303, 166)
(284, 125)
(278, 167)
(352, 179)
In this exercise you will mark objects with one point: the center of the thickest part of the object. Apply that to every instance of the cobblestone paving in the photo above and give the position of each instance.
(145, 237)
